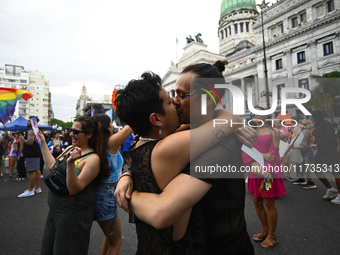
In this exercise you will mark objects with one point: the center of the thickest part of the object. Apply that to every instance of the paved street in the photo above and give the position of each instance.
(307, 224)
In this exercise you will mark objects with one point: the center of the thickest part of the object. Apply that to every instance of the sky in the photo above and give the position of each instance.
(100, 43)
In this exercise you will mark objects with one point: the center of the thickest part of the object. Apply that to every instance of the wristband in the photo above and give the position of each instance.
(126, 174)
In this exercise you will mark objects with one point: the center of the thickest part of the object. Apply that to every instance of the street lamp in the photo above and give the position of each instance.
(262, 6)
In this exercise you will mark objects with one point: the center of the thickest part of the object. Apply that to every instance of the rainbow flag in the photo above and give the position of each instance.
(8, 101)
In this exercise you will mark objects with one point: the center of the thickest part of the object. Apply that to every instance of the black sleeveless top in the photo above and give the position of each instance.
(151, 240)
(32, 151)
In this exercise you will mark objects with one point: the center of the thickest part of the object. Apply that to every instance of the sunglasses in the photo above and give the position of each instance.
(75, 131)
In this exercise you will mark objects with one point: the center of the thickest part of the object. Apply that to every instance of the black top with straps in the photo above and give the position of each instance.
(151, 240)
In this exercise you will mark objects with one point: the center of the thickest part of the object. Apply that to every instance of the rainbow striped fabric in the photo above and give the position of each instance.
(8, 100)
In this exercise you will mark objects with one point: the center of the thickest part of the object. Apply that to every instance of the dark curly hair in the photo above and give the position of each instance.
(138, 100)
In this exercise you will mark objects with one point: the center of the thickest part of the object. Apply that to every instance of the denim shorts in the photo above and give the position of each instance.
(32, 164)
(105, 205)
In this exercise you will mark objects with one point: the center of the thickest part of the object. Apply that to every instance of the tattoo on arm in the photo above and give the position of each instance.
(30, 138)
(217, 134)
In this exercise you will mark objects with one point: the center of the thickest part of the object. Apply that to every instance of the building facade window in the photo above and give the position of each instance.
(247, 27)
(330, 5)
(301, 57)
(303, 18)
(295, 22)
(328, 48)
(303, 84)
(281, 28)
(273, 31)
(278, 64)
(241, 27)
(229, 30)
(222, 37)
(319, 10)
(235, 29)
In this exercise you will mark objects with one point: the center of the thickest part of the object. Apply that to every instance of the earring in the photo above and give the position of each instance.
(160, 129)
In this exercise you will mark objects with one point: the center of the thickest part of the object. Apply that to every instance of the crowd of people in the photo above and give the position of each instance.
(176, 209)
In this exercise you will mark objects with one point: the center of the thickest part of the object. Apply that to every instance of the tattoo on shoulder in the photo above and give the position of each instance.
(217, 134)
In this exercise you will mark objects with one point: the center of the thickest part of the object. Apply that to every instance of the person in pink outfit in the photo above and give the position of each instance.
(268, 144)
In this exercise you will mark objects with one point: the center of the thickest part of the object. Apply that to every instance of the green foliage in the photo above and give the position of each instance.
(61, 123)
(323, 95)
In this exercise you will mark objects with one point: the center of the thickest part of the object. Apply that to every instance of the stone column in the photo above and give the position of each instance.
(243, 88)
(288, 54)
(313, 54)
(256, 88)
(336, 44)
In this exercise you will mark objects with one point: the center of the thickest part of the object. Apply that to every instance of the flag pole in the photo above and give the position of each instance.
(176, 50)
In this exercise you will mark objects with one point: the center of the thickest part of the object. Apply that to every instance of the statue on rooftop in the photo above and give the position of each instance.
(189, 39)
(198, 38)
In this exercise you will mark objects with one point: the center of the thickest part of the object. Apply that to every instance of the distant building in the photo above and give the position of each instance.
(81, 102)
(301, 37)
(87, 106)
(15, 76)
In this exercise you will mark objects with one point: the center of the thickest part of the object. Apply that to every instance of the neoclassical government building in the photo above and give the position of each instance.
(301, 39)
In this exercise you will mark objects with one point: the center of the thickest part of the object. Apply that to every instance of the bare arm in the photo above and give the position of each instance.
(118, 139)
(21, 148)
(30, 138)
(276, 138)
(173, 153)
(162, 210)
(48, 158)
(89, 168)
(11, 138)
(124, 191)
(246, 135)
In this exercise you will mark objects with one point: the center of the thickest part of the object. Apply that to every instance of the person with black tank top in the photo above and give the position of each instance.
(159, 156)
(32, 158)
(223, 197)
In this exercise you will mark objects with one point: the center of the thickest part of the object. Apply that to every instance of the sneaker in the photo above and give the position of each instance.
(20, 179)
(288, 178)
(1, 174)
(299, 181)
(9, 178)
(36, 191)
(309, 185)
(330, 194)
(27, 193)
(41, 177)
(336, 201)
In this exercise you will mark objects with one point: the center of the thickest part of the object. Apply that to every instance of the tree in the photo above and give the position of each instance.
(323, 95)
(61, 123)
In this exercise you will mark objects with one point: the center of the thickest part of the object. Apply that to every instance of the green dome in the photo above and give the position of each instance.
(228, 6)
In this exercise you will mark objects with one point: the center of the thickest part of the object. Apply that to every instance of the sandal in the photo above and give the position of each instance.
(269, 242)
(260, 236)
